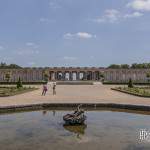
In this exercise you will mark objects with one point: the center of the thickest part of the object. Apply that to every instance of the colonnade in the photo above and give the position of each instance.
(74, 75)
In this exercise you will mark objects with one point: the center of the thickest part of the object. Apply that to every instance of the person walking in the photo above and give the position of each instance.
(44, 89)
(54, 88)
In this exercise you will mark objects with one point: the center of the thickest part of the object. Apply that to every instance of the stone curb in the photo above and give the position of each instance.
(74, 105)
(126, 92)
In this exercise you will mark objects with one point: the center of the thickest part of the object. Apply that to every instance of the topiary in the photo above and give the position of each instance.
(130, 84)
(19, 83)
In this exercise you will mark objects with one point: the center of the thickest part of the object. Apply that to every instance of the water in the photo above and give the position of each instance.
(44, 130)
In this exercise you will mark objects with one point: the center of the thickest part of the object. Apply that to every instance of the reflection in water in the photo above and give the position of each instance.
(44, 112)
(79, 130)
(54, 113)
(44, 130)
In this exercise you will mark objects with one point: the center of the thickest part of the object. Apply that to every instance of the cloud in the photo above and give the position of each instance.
(110, 15)
(133, 15)
(143, 5)
(81, 35)
(84, 35)
(27, 52)
(68, 58)
(54, 5)
(46, 20)
(113, 15)
(32, 45)
(1, 47)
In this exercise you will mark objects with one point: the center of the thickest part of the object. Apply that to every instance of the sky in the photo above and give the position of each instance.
(39, 33)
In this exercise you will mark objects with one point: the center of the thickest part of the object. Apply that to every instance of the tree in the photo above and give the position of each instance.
(140, 66)
(45, 76)
(11, 66)
(19, 83)
(130, 84)
(3, 65)
(114, 66)
(125, 66)
(14, 66)
(148, 77)
(122, 66)
(101, 76)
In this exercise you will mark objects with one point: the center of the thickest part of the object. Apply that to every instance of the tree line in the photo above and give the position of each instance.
(133, 66)
(10, 66)
(112, 66)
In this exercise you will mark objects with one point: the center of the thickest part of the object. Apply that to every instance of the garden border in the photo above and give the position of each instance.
(126, 92)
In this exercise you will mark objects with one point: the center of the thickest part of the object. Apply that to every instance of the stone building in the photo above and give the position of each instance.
(123, 75)
(75, 73)
(26, 74)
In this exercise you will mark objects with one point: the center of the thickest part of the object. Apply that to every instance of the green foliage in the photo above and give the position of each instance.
(114, 66)
(19, 83)
(140, 66)
(133, 66)
(130, 84)
(148, 76)
(11, 90)
(45, 76)
(125, 66)
(11, 66)
(3, 65)
(139, 91)
(101, 75)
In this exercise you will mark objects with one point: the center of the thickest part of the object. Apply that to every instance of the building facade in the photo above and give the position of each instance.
(73, 74)
(123, 75)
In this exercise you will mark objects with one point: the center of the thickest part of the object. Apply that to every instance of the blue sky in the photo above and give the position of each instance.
(74, 32)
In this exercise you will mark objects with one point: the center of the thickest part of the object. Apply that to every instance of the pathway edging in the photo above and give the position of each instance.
(73, 105)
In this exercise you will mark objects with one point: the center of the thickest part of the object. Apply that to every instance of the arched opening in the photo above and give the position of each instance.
(81, 76)
(67, 76)
(97, 75)
(74, 76)
(59, 76)
(51, 75)
(89, 75)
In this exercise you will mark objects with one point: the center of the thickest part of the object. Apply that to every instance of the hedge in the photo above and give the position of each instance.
(123, 83)
(24, 83)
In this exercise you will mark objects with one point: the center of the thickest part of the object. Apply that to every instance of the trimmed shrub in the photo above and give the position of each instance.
(19, 83)
(130, 84)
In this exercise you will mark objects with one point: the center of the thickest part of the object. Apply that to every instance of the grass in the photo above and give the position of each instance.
(11, 90)
(137, 91)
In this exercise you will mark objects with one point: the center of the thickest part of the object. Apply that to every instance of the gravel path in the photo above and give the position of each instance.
(75, 94)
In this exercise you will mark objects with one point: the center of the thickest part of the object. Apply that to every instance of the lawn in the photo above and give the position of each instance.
(137, 91)
(11, 90)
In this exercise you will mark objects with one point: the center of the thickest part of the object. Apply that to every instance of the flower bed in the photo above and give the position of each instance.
(10, 91)
(137, 91)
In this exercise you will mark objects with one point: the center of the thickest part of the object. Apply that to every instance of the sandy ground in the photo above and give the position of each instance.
(75, 94)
